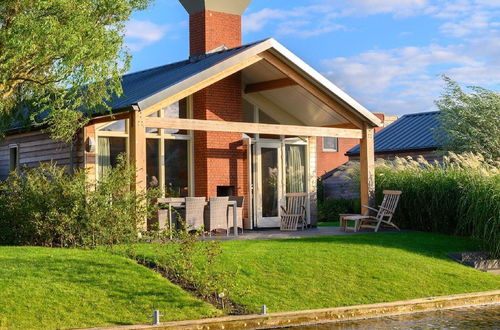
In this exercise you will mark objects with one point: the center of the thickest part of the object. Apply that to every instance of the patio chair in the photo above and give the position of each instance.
(217, 215)
(239, 204)
(294, 213)
(162, 219)
(384, 215)
(194, 213)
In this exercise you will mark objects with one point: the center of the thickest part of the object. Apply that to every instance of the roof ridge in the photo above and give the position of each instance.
(424, 113)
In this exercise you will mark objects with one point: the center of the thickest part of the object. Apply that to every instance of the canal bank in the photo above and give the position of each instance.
(331, 315)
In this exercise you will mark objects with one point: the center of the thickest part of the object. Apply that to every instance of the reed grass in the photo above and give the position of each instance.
(459, 195)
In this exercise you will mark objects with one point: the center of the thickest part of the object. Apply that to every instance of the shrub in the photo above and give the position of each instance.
(48, 207)
(329, 209)
(460, 196)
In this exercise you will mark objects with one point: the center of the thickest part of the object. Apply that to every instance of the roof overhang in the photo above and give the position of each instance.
(235, 7)
(284, 55)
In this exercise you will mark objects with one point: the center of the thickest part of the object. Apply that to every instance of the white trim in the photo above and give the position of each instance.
(329, 149)
(275, 47)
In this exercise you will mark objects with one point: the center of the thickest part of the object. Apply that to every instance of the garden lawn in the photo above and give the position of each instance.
(330, 271)
(65, 288)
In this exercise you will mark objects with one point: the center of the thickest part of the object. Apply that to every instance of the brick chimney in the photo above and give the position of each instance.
(214, 23)
(219, 158)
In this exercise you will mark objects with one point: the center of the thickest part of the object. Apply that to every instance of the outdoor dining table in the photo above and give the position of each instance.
(181, 205)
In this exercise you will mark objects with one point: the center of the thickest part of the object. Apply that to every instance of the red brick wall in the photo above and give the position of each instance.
(327, 161)
(220, 158)
(211, 29)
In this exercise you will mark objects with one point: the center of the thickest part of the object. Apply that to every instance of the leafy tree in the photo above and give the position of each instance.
(470, 121)
(58, 57)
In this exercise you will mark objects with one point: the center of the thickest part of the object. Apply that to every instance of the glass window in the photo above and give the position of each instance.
(270, 181)
(176, 168)
(153, 163)
(108, 150)
(330, 144)
(118, 126)
(295, 168)
(176, 110)
(13, 158)
(153, 130)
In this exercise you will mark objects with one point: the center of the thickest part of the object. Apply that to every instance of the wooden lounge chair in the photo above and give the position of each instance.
(384, 215)
(217, 215)
(295, 212)
(194, 213)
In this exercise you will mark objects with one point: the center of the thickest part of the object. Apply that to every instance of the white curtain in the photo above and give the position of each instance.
(103, 156)
(295, 169)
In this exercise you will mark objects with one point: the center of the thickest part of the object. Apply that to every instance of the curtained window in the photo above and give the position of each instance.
(295, 168)
(108, 150)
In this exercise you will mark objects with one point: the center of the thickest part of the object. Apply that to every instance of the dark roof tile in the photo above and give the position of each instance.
(418, 131)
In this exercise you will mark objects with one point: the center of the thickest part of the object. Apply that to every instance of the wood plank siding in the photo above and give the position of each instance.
(37, 147)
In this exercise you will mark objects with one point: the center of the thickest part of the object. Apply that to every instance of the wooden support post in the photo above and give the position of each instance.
(367, 168)
(137, 151)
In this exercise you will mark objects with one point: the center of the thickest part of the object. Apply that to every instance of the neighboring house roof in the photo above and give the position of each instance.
(412, 132)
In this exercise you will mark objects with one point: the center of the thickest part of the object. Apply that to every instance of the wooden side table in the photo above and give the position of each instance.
(344, 218)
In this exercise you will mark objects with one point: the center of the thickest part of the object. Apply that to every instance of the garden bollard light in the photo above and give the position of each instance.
(263, 310)
(156, 317)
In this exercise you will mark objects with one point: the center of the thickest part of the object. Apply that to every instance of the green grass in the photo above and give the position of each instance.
(61, 288)
(332, 271)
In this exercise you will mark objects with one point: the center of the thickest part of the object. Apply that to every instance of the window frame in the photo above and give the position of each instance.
(16, 161)
(330, 149)
(162, 136)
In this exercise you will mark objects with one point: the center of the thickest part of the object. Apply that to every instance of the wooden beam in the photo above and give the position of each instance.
(269, 85)
(367, 168)
(239, 127)
(111, 117)
(137, 150)
(311, 88)
(210, 80)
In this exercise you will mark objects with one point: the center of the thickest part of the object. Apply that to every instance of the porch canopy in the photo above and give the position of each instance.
(296, 101)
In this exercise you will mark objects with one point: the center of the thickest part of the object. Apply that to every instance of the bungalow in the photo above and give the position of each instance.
(231, 119)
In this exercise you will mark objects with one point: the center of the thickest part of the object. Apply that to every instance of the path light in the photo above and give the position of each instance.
(156, 317)
(263, 310)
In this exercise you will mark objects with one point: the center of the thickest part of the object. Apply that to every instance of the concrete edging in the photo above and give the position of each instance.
(328, 315)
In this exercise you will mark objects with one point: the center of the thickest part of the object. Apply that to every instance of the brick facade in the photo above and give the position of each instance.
(220, 158)
(328, 161)
(210, 29)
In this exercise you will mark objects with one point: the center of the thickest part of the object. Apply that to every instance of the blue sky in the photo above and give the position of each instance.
(387, 54)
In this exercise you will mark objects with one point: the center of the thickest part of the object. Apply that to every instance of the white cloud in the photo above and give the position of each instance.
(406, 79)
(140, 34)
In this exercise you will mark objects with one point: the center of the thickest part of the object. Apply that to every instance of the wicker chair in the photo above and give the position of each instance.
(217, 215)
(162, 219)
(294, 213)
(194, 213)
(239, 204)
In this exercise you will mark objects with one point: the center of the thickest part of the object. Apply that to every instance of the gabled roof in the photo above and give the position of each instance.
(139, 87)
(146, 88)
(412, 132)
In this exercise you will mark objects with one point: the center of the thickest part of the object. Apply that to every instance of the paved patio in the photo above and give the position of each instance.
(262, 234)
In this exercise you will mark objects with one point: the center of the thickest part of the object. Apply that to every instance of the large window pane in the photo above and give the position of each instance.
(176, 110)
(109, 148)
(153, 163)
(152, 130)
(295, 168)
(269, 182)
(118, 126)
(176, 168)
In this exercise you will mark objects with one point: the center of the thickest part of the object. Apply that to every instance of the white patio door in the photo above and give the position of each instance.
(269, 178)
